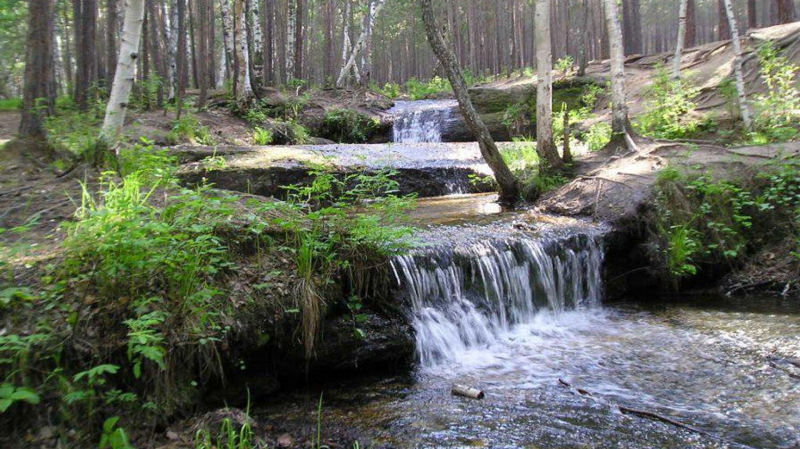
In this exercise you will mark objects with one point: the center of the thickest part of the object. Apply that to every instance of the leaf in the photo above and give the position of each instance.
(26, 395)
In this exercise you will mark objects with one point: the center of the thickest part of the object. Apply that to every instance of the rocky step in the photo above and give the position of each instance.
(427, 170)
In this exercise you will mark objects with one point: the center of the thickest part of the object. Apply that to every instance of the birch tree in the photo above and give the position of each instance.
(227, 33)
(361, 43)
(509, 187)
(125, 72)
(737, 65)
(545, 145)
(244, 90)
(346, 43)
(676, 71)
(620, 121)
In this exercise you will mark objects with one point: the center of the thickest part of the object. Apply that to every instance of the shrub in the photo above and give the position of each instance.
(598, 136)
(669, 107)
(778, 109)
(11, 104)
(262, 136)
(189, 128)
(418, 90)
(348, 126)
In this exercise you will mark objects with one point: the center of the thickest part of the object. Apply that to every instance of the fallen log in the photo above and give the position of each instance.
(467, 392)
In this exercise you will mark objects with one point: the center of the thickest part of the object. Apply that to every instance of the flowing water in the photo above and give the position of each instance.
(512, 303)
(422, 121)
(511, 309)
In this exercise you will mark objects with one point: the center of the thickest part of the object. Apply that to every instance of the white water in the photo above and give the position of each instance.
(421, 121)
(469, 303)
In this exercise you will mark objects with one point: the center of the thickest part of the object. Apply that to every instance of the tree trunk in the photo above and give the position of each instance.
(360, 44)
(330, 46)
(112, 15)
(752, 16)
(202, 9)
(691, 24)
(786, 11)
(299, 36)
(737, 65)
(509, 188)
(85, 32)
(291, 36)
(172, 51)
(583, 59)
(124, 73)
(366, 67)
(38, 94)
(227, 37)
(676, 71)
(244, 90)
(181, 57)
(267, 25)
(724, 29)
(620, 121)
(346, 43)
(545, 144)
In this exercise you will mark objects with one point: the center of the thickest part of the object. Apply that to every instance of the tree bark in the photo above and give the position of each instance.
(676, 71)
(202, 9)
(360, 44)
(38, 94)
(244, 89)
(124, 73)
(545, 144)
(620, 122)
(227, 37)
(583, 59)
(181, 57)
(112, 15)
(724, 28)
(691, 23)
(737, 65)
(299, 36)
(752, 16)
(509, 188)
(786, 11)
(85, 12)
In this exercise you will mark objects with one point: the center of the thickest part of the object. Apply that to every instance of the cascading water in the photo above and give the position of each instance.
(474, 295)
(422, 121)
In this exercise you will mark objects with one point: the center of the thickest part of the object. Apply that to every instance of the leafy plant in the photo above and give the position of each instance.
(10, 394)
(669, 107)
(598, 136)
(418, 90)
(189, 128)
(262, 136)
(565, 65)
(348, 126)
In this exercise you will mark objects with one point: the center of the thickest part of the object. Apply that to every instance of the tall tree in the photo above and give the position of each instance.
(244, 90)
(181, 57)
(676, 71)
(752, 14)
(620, 122)
(85, 12)
(786, 11)
(124, 73)
(691, 23)
(737, 65)
(360, 44)
(299, 37)
(38, 94)
(202, 10)
(112, 16)
(724, 27)
(545, 144)
(509, 187)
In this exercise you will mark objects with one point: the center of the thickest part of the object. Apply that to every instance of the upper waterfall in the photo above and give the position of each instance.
(421, 121)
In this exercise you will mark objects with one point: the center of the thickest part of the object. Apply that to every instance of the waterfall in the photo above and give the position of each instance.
(473, 295)
(422, 121)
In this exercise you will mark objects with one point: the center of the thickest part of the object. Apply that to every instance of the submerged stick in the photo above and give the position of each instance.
(467, 392)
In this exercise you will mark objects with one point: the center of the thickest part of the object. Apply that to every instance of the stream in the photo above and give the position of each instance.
(512, 303)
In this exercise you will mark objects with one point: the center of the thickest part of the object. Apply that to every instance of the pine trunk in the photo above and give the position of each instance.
(545, 144)
(124, 73)
(620, 122)
(38, 94)
(112, 15)
(676, 71)
(509, 188)
(724, 29)
(786, 11)
(299, 36)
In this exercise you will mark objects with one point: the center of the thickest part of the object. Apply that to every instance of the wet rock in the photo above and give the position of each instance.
(285, 440)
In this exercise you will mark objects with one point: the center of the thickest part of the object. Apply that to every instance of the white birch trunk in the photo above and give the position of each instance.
(358, 47)
(244, 90)
(737, 66)
(172, 49)
(126, 72)
(544, 86)
(258, 35)
(223, 63)
(227, 35)
(619, 121)
(676, 71)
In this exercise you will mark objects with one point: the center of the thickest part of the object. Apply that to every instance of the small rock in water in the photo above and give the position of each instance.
(522, 226)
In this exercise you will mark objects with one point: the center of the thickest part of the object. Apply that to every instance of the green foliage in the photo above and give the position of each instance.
(701, 220)
(669, 108)
(779, 109)
(262, 136)
(348, 126)
(10, 104)
(73, 131)
(9, 395)
(598, 136)
(228, 437)
(189, 129)
(114, 437)
(521, 155)
(419, 90)
(154, 164)
(565, 65)
(389, 90)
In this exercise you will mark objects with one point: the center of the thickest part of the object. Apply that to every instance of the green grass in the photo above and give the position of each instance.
(10, 104)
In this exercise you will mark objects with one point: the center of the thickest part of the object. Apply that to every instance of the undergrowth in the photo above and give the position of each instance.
(348, 126)
(703, 222)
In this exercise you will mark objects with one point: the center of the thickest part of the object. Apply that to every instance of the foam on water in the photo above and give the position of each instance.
(421, 121)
